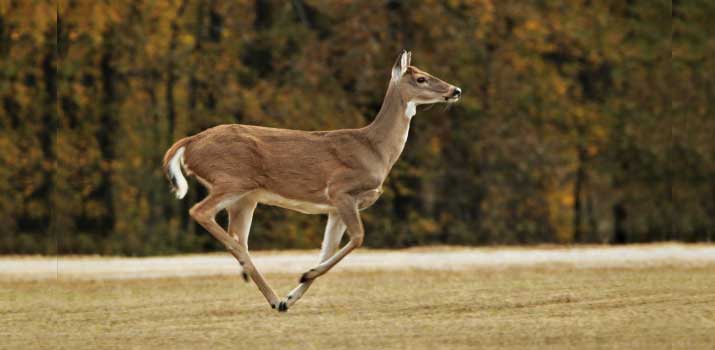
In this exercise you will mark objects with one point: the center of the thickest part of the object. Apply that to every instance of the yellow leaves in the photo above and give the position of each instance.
(94, 209)
(519, 63)
(560, 86)
(566, 198)
(454, 3)
(484, 13)
(31, 19)
(560, 201)
(9, 152)
(435, 145)
(533, 35)
(532, 25)
(36, 209)
(599, 132)
(591, 150)
(426, 225)
(136, 161)
(187, 39)
(251, 106)
(22, 94)
(90, 19)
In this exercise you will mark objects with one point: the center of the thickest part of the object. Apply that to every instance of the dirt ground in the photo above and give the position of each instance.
(641, 297)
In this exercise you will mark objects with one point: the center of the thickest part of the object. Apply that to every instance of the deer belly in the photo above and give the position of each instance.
(270, 198)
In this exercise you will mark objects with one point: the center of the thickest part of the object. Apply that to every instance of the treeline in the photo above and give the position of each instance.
(582, 121)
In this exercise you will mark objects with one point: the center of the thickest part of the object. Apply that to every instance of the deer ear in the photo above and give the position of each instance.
(406, 59)
(400, 67)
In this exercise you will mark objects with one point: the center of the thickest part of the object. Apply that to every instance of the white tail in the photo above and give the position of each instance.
(175, 172)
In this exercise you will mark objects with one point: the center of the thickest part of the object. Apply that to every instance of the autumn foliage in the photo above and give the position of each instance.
(581, 121)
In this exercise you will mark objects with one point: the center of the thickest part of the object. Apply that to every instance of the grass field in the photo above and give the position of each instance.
(554, 307)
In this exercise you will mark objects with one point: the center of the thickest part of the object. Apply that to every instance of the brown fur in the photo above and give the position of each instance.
(295, 164)
(339, 172)
(300, 165)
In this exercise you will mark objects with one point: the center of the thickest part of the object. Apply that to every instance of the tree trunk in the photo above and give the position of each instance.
(711, 230)
(578, 188)
(619, 221)
(591, 218)
(105, 134)
(48, 139)
(299, 9)
(171, 74)
(193, 94)
(263, 14)
(170, 209)
(215, 23)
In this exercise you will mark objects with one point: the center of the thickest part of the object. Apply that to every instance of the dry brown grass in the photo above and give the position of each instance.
(546, 307)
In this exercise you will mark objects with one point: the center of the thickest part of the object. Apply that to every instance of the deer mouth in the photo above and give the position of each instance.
(451, 99)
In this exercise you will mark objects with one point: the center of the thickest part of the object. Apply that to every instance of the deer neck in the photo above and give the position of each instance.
(388, 132)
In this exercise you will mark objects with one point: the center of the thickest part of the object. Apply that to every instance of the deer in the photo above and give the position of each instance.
(337, 172)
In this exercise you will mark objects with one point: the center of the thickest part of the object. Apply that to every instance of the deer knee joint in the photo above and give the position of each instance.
(248, 268)
(194, 213)
(357, 240)
(199, 215)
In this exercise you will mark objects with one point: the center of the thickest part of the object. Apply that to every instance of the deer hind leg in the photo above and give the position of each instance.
(240, 215)
(334, 230)
(348, 211)
(205, 214)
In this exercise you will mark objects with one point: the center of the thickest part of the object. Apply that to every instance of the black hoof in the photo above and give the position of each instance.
(273, 306)
(245, 276)
(282, 307)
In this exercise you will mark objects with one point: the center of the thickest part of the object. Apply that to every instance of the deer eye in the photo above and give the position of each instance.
(421, 80)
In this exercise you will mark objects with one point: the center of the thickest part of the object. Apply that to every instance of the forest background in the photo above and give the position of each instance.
(581, 121)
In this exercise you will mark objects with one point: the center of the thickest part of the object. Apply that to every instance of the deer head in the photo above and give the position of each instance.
(418, 86)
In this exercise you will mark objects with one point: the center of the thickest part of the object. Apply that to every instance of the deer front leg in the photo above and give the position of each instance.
(334, 230)
(347, 209)
(205, 214)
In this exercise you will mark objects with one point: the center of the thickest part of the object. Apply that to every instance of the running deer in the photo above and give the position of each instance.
(337, 173)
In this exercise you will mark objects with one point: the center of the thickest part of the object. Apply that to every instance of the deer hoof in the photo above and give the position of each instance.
(245, 276)
(282, 307)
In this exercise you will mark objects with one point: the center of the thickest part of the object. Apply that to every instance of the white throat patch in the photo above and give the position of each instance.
(411, 109)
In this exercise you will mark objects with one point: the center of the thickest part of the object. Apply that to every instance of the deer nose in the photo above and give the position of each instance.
(457, 92)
